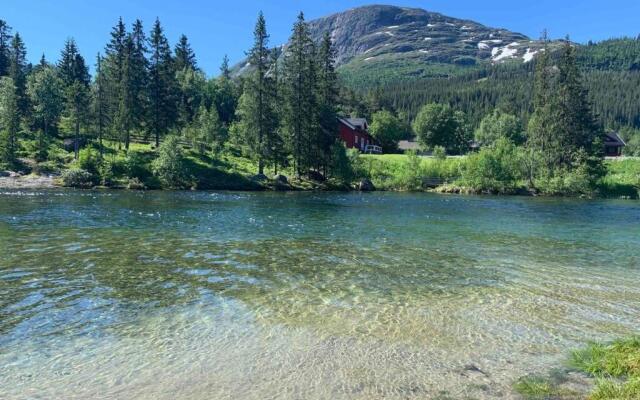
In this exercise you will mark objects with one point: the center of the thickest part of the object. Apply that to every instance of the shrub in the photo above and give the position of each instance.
(89, 160)
(412, 173)
(78, 178)
(494, 169)
(341, 163)
(440, 153)
(46, 168)
(169, 166)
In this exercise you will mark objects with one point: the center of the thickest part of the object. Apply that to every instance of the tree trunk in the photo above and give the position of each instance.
(76, 144)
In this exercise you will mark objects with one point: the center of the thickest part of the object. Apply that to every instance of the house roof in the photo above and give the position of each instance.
(355, 123)
(612, 139)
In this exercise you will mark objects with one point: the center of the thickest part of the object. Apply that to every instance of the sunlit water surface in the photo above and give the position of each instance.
(115, 295)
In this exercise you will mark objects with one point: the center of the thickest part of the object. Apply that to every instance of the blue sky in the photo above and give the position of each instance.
(216, 28)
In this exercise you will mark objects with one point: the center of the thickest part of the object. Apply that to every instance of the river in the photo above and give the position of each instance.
(197, 295)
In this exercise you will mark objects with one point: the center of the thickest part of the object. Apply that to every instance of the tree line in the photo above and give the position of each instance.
(281, 113)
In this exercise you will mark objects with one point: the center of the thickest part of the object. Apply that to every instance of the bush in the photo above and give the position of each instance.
(494, 169)
(78, 178)
(440, 153)
(169, 166)
(46, 168)
(412, 176)
(89, 160)
(341, 163)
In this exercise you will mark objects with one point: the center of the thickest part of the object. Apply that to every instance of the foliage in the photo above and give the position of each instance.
(499, 125)
(388, 130)
(45, 89)
(9, 121)
(439, 152)
(609, 363)
(169, 166)
(78, 178)
(206, 130)
(494, 169)
(341, 163)
(89, 161)
(440, 125)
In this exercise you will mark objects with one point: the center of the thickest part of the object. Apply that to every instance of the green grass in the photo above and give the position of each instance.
(396, 172)
(543, 388)
(615, 367)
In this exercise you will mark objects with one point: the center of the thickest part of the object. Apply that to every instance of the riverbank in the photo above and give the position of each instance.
(231, 170)
(600, 371)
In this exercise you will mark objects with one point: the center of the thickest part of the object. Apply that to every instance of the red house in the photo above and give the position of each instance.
(354, 133)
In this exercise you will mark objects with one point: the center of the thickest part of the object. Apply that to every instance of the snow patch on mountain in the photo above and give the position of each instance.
(528, 56)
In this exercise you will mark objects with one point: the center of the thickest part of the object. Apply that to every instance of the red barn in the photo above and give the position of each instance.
(354, 133)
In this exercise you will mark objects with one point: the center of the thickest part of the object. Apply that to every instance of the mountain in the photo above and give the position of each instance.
(411, 42)
(373, 33)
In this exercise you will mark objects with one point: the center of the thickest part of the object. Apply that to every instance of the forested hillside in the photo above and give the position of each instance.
(611, 70)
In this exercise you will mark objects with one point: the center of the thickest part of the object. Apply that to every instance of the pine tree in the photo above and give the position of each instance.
(542, 138)
(9, 121)
(18, 72)
(258, 88)
(225, 72)
(578, 128)
(74, 74)
(298, 96)
(100, 106)
(184, 55)
(5, 48)
(162, 103)
(226, 99)
(138, 79)
(113, 70)
(327, 101)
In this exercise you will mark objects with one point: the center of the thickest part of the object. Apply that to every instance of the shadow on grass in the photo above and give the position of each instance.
(213, 174)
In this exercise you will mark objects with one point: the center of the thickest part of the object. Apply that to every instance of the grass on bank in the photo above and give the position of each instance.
(615, 367)
(490, 174)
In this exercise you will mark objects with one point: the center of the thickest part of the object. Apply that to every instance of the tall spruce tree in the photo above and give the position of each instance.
(577, 126)
(258, 125)
(9, 121)
(225, 72)
(162, 87)
(327, 99)
(74, 74)
(299, 95)
(18, 72)
(184, 55)
(100, 108)
(542, 140)
(138, 79)
(113, 69)
(5, 48)
(226, 98)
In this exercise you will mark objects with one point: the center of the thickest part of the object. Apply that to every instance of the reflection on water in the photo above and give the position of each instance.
(314, 296)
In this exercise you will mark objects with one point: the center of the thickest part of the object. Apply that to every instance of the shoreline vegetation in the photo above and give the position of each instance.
(391, 172)
(599, 371)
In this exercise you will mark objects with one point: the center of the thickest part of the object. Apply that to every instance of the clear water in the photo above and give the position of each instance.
(117, 295)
